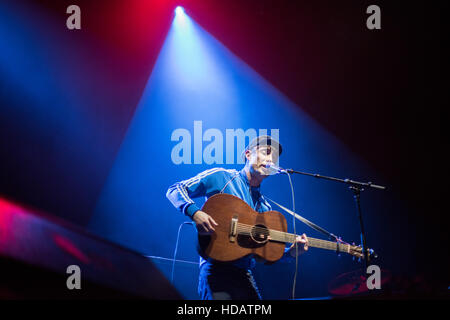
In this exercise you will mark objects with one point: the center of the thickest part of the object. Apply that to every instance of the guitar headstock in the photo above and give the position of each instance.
(357, 252)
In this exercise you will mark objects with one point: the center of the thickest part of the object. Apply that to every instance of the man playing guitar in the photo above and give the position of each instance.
(231, 280)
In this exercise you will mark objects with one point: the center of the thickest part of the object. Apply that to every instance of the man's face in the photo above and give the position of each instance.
(258, 157)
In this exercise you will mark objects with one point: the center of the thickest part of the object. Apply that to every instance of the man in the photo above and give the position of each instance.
(232, 280)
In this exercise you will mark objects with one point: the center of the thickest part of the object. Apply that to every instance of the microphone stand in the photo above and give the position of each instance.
(356, 187)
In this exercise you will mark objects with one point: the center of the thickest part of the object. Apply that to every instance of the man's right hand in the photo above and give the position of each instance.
(204, 222)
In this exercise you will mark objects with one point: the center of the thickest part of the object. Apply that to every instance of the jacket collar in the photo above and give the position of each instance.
(245, 179)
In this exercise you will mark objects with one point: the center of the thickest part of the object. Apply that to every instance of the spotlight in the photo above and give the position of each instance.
(179, 10)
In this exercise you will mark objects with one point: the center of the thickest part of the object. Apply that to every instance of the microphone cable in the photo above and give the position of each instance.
(176, 247)
(295, 237)
(280, 170)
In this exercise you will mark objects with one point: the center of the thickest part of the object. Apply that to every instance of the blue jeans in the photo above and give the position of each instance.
(226, 282)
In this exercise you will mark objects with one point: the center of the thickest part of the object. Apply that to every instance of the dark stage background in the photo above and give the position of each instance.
(87, 117)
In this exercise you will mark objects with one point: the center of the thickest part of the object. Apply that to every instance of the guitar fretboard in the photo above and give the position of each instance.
(312, 242)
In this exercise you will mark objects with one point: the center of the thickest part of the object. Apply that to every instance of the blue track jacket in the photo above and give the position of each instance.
(211, 182)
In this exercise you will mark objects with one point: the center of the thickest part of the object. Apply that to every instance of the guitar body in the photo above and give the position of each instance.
(236, 217)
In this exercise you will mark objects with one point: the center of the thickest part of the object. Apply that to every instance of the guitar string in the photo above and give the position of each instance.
(288, 237)
(329, 246)
(248, 229)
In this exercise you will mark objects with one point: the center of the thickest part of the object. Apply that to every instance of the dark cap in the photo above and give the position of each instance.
(263, 141)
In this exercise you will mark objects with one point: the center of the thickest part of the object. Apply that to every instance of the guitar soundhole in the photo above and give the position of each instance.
(259, 233)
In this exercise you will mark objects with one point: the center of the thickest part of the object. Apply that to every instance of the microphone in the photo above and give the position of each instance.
(273, 169)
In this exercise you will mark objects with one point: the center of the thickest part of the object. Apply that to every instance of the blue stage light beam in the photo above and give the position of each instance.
(196, 78)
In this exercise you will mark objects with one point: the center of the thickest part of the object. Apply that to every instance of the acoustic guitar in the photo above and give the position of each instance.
(242, 231)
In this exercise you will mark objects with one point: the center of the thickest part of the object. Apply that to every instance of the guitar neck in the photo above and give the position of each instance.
(312, 242)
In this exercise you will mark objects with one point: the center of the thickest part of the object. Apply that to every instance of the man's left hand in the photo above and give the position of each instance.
(302, 244)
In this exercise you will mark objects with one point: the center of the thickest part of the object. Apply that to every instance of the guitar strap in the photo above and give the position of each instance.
(305, 221)
(234, 177)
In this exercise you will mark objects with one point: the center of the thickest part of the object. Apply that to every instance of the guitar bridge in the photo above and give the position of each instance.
(233, 229)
